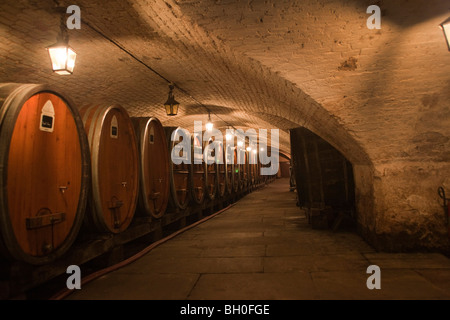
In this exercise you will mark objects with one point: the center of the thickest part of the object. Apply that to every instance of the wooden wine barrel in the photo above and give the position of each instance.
(243, 170)
(178, 172)
(222, 173)
(264, 178)
(44, 169)
(229, 167)
(246, 171)
(114, 167)
(236, 171)
(154, 183)
(211, 170)
(251, 171)
(254, 169)
(258, 173)
(197, 171)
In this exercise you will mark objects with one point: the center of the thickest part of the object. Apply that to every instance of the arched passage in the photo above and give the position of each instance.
(324, 180)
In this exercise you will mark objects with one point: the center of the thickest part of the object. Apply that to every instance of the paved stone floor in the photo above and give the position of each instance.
(263, 249)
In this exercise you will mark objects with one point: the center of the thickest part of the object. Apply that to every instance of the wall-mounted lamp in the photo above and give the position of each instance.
(171, 104)
(209, 124)
(240, 143)
(249, 149)
(61, 54)
(254, 151)
(445, 26)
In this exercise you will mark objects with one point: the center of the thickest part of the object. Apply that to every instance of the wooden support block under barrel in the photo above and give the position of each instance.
(321, 218)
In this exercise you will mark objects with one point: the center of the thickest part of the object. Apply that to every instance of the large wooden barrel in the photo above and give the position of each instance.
(265, 177)
(154, 183)
(44, 167)
(236, 171)
(197, 171)
(253, 168)
(229, 165)
(250, 176)
(114, 166)
(246, 170)
(243, 169)
(258, 173)
(222, 173)
(211, 170)
(178, 172)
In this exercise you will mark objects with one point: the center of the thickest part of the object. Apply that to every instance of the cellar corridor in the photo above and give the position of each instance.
(260, 150)
(263, 248)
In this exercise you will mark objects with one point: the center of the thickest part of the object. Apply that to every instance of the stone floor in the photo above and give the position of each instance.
(262, 248)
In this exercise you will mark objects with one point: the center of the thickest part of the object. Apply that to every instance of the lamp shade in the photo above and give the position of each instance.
(62, 58)
(171, 108)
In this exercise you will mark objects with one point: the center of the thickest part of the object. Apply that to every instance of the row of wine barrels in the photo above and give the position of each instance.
(56, 160)
(248, 171)
(62, 168)
(225, 171)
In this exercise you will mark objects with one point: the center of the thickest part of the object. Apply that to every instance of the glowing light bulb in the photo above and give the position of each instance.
(209, 126)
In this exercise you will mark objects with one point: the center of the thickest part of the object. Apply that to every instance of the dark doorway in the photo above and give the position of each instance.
(324, 181)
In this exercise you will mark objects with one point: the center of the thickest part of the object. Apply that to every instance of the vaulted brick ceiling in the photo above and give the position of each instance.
(376, 95)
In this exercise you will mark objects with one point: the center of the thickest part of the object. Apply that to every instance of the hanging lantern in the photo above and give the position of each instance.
(62, 56)
(171, 104)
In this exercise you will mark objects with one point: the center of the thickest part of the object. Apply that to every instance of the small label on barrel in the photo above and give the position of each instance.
(47, 117)
(152, 135)
(47, 122)
(114, 133)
